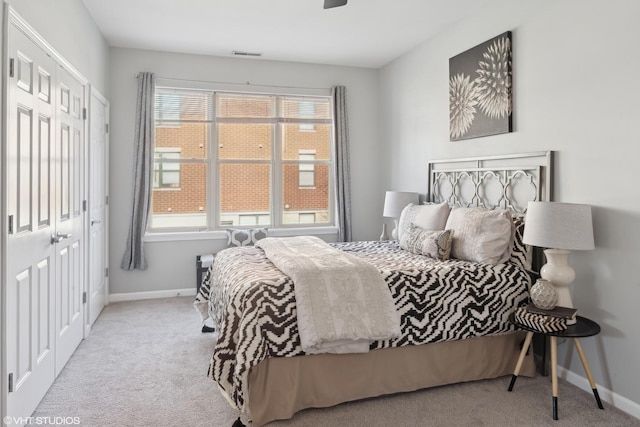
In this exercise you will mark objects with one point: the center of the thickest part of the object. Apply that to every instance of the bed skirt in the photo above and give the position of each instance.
(281, 386)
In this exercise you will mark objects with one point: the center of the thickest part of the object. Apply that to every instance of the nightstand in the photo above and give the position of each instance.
(582, 328)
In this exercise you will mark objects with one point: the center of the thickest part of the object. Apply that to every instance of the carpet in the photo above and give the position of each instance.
(145, 364)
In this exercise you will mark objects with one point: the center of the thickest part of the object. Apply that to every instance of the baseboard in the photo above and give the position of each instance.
(133, 296)
(630, 407)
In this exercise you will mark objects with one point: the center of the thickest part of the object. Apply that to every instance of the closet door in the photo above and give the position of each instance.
(30, 267)
(46, 253)
(98, 207)
(69, 245)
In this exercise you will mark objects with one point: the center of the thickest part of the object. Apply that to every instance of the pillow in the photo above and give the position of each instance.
(481, 235)
(244, 236)
(521, 253)
(432, 243)
(430, 217)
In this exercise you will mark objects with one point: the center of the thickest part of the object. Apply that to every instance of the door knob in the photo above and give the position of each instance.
(96, 221)
(58, 237)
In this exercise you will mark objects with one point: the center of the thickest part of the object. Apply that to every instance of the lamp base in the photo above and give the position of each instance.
(558, 271)
(384, 235)
(394, 232)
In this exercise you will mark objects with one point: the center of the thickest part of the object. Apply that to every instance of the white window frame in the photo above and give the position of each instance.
(215, 224)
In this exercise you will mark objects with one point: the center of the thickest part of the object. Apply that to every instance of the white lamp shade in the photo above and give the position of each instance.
(395, 201)
(559, 226)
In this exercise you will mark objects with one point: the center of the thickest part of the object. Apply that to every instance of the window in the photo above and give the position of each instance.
(167, 110)
(306, 170)
(166, 172)
(307, 111)
(181, 163)
(237, 159)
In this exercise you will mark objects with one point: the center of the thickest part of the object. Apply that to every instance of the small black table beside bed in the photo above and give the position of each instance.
(582, 328)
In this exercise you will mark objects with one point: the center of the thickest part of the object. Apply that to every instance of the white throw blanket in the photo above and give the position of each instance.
(343, 302)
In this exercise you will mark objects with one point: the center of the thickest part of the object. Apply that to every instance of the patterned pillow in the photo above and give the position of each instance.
(245, 236)
(481, 235)
(430, 217)
(432, 243)
(521, 253)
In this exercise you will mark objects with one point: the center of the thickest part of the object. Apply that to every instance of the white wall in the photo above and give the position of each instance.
(575, 91)
(172, 264)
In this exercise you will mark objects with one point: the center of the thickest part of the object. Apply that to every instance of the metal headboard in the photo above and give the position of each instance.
(508, 181)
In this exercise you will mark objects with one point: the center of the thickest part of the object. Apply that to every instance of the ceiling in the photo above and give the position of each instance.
(364, 33)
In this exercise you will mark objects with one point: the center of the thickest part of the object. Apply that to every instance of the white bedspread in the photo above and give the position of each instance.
(343, 303)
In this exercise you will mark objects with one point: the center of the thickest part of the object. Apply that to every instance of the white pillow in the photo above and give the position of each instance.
(481, 235)
(430, 217)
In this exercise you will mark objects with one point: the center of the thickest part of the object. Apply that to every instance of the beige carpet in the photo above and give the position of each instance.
(145, 364)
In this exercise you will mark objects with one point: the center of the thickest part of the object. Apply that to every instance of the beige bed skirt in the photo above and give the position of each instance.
(281, 386)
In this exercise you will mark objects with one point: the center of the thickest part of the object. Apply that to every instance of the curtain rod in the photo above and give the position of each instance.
(235, 83)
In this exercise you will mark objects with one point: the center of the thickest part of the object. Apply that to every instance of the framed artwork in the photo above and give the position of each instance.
(480, 82)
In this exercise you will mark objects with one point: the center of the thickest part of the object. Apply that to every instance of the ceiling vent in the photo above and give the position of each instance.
(241, 53)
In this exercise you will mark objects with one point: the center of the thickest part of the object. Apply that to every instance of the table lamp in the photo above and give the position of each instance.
(561, 228)
(394, 202)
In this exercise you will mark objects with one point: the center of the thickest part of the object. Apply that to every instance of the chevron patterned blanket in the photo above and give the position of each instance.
(253, 305)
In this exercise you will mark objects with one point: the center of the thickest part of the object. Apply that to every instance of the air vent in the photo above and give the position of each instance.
(241, 53)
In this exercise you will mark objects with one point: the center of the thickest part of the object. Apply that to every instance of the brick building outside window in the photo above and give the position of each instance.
(232, 159)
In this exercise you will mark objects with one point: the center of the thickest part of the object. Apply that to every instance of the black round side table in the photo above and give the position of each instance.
(582, 328)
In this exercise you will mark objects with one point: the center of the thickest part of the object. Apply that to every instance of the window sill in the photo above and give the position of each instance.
(222, 235)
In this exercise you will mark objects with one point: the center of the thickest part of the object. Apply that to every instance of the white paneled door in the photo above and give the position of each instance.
(98, 214)
(30, 297)
(45, 254)
(69, 240)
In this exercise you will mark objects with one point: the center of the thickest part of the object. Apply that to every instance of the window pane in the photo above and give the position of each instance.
(296, 141)
(307, 178)
(185, 206)
(245, 106)
(307, 171)
(182, 121)
(245, 192)
(166, 174)
(172, 179)
(305, 205)
(170, 166)
(244, 141)
(306, 108)
(173, 106)
(248, 219)
(189, 138)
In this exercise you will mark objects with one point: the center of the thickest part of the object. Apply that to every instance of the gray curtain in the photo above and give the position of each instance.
(343, 176)
(144, 138)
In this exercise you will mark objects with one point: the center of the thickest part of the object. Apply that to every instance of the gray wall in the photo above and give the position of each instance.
(172, 263)
(575, 91)
(69, 29)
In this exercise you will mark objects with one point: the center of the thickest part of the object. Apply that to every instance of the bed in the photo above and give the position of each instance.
(453, 313)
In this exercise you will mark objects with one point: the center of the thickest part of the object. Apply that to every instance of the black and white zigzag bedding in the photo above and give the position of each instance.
(253, 306)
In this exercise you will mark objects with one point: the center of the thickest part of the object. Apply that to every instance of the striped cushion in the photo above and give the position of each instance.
(521, 253)
(539, 322)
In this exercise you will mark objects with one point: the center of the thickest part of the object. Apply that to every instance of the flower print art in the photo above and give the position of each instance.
(480, 84)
